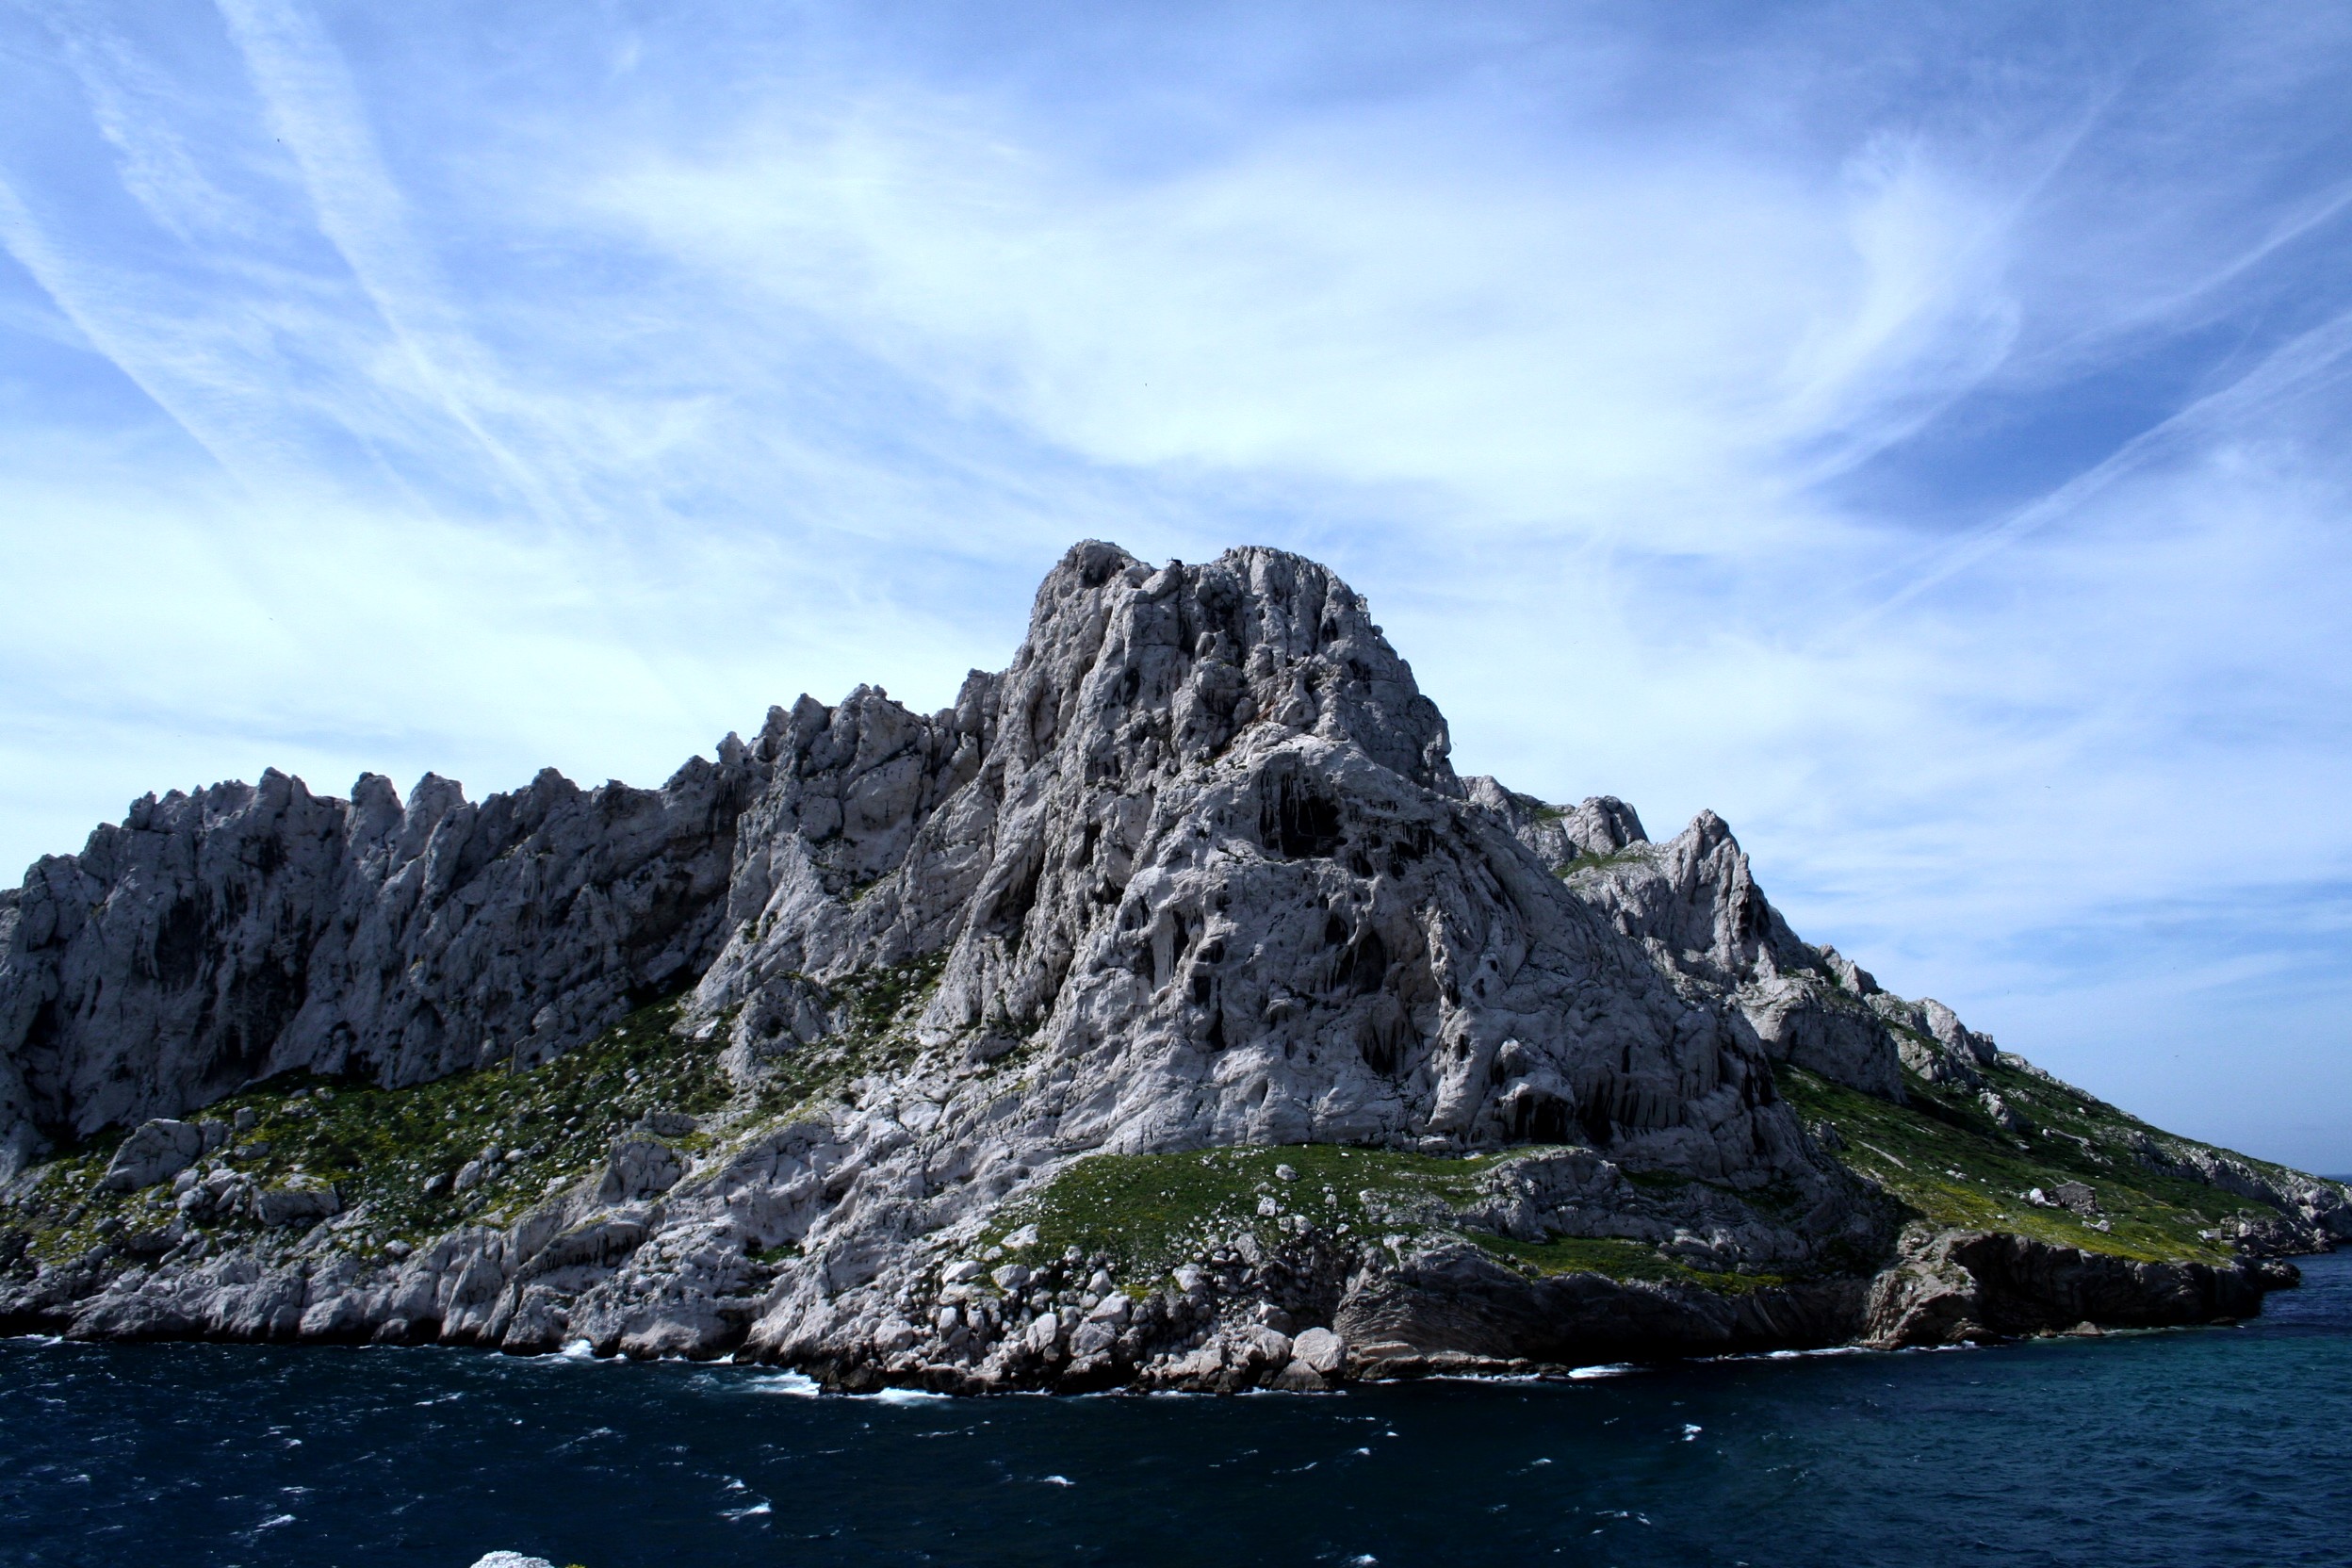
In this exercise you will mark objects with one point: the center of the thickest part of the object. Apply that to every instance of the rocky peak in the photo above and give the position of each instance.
(1159, 669)
(1559, 837)
(1202, 842)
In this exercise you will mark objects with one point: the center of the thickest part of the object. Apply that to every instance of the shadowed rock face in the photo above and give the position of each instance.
(1194, 872)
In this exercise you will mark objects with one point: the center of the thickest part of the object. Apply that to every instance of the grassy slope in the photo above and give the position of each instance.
(1941, 1155)
(380, 1147)
(874, 1035)
(1150, 1213)
(1947, 1159)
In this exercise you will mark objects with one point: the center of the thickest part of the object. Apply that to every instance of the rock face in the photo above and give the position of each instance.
(1194, 873)
(1204, 846)
(214, 938)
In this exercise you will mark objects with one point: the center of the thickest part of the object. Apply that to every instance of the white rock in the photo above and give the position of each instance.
(155, 1151)
(639, 1167)
(1322, 1350)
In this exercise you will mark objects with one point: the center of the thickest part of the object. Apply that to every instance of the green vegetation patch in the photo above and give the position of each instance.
(1152, 1212)
(1618, 1260)
(380, 1148)
(876, 1010)
(1599, 862)
(1945, 1157)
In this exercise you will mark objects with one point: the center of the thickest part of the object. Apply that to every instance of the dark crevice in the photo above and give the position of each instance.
(1304, 824)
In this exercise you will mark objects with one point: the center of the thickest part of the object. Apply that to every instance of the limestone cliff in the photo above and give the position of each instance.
(1164, 1004)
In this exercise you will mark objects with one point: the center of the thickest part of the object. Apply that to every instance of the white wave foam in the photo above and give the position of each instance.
(903, 1397)
(799, 1386)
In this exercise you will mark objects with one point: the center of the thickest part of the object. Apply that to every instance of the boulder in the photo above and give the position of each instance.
(1299, 1377)
(2077, 1196)
(1320, 1350)
(295, 1205)
(639, 1167)
(155, 1151)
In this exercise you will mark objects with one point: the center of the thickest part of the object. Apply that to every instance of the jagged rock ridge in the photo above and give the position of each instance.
(1194, 873)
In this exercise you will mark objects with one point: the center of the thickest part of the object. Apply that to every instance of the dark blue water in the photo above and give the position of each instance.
(2210, 1447)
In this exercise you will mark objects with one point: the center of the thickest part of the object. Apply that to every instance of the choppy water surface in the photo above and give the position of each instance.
(2210, 1447)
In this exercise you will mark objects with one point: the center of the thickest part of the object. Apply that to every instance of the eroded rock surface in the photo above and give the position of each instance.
(1193, 873)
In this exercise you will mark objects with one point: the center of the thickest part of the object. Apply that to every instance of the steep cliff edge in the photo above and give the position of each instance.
(1165, 1012)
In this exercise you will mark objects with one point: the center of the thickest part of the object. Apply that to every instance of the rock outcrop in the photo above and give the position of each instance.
(1194, 874)
(241, 932)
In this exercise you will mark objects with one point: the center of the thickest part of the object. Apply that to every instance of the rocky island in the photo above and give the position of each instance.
(1167, 1013)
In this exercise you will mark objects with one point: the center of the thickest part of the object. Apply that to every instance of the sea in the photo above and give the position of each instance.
(2223, 1446)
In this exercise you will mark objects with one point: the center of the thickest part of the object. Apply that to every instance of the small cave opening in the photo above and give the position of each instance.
(1540, 1117)
(1303, 824)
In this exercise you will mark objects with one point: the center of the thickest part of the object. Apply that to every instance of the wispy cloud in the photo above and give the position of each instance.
(2303, 365)
(315, 110)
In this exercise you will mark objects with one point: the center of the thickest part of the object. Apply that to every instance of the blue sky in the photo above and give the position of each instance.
(1917, 433)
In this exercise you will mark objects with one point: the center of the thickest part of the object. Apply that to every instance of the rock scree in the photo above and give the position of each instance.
(1167, 1013)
